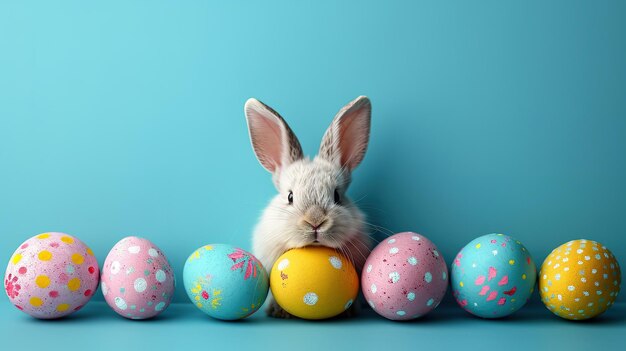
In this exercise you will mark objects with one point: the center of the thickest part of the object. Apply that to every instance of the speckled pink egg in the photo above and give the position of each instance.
(51, 275)
(137, 279)
(405, 277)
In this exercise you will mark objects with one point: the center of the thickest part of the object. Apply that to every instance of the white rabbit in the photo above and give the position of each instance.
(311, 207)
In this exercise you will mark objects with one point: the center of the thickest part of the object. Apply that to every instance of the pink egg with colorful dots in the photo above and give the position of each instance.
(405, 277)
(137, 279)
(51, 275)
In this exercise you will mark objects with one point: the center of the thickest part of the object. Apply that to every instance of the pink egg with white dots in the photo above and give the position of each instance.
(137, 279)
(405, 277)
(51, 275)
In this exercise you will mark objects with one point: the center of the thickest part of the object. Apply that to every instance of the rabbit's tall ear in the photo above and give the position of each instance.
(345, 141)
(274, 143)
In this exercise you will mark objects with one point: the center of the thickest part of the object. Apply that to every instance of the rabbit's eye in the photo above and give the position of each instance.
(337, 198)
(290, 197)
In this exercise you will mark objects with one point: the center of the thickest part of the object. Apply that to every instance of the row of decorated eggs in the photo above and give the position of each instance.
(494, 276)
(54, 274)
(406, 277)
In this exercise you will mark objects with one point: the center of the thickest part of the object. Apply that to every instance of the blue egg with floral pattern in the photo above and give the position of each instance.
(493, 276)
(225, 282)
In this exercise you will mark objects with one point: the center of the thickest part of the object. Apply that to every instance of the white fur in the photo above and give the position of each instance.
(312, 182)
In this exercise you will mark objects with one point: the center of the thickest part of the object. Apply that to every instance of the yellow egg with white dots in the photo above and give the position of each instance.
(314, 282)
(579, 280)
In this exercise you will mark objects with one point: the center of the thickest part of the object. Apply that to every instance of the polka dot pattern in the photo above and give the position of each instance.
(137, 277)
(45, 280)
(283, 264)
(404, 273)
(315, 282)
(579, 280)
(493, 276)
(336, 262)
(310, 298)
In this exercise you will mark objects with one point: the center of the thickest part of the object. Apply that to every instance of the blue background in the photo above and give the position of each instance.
(126, 117)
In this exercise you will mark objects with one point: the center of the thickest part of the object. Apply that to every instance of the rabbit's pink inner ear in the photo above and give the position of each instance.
(273, 142)
(348, 136)
(265, 135)
(354, 129)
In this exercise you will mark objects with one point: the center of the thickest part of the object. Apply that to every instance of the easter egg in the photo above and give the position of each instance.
(314, 282)
(137, 279)
(225, 282)
(579, 280)
(51, 275)
(405, 277)
(493, 276)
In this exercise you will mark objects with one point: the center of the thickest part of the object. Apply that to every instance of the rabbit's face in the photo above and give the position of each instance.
(313, 204)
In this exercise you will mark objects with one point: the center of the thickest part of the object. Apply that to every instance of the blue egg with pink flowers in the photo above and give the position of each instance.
(493, 276)
(225, 282)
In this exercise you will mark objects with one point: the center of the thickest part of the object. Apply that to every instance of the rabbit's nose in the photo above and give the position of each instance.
(315, 227)
(315, 217)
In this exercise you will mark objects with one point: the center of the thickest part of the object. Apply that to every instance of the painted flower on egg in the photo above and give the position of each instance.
(51, 275)
(225, 282)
